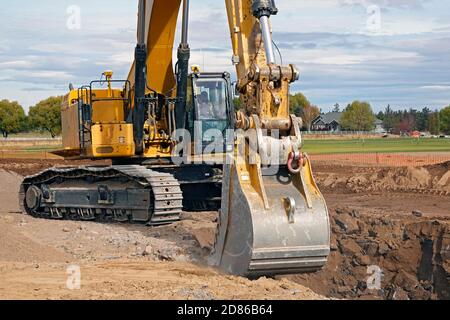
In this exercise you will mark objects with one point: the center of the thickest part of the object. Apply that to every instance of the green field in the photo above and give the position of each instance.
(30, 135)
(376, 146)
(329, 146)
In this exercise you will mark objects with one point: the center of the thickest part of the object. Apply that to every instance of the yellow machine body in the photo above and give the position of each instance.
(109, 129)
(110, 136)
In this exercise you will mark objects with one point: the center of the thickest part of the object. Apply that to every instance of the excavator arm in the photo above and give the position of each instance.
(273, 219)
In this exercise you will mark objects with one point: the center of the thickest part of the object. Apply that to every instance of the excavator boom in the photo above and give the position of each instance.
(157, 27)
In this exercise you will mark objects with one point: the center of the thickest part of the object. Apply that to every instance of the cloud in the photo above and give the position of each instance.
(436, 88)
(38, 89)
(405, 64)
(16, 64)
(399, 4)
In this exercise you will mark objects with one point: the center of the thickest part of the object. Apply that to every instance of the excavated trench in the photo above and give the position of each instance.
(410, 256)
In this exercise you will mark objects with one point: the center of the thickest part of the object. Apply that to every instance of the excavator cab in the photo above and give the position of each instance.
(210, 112)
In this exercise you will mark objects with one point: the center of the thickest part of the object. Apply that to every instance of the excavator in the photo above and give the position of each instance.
(177, 143)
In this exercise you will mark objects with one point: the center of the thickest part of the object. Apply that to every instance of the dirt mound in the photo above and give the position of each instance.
(440, 167)
(16, 247)
(124, 280)
(9, 191)
(26, 167)
(121, 262)
(430, 180)
(412, 254)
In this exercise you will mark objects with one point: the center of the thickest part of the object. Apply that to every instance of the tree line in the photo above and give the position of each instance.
(397, 122)
(44, 116)
(359, 116)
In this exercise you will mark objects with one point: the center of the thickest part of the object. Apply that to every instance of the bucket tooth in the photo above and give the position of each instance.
(291, 235)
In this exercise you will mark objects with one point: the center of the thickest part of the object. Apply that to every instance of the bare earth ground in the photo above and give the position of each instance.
(372, 222)
(117, 261)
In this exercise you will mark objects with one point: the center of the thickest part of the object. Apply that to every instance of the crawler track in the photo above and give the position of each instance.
(119, 193)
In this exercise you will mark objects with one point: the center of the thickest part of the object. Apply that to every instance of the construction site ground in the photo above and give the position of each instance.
(392, 219)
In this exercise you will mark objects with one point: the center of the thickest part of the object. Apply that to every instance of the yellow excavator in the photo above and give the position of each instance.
(177, 143)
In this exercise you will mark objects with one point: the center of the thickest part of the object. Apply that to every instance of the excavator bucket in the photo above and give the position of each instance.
(286, 231)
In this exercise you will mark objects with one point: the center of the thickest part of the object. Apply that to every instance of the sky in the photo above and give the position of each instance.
(393, 52)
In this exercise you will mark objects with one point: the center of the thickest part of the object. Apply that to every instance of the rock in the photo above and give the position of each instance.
(329, 181)
(420, 293)
(371, 249)
(148, 251)
(389, 266)
(205, 237)
(383, 248)
(284, 286)
(168, 253)
(348, 224)
(343, 289)
(417, 214)
(362, 260)
(335, 229)
(295, 291)
(445, 180)
(349, 247)
(406, 281)
(66, 230)
(399, 294)
(372, 233)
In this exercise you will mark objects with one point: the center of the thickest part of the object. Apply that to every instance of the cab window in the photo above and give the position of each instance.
(211, 99)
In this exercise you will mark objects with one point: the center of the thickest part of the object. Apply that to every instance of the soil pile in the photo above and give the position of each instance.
(17, 247)
(9, 191)
(26, 167)
(121, 262)
(430, 180)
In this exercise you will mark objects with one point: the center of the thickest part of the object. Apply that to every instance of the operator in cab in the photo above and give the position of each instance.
(205, 106)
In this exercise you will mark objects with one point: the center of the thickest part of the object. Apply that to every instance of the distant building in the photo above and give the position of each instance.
(331, 122)
(379, 128)
(327, 122)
